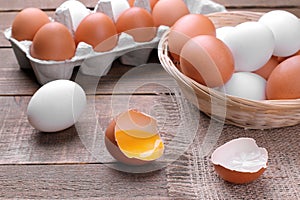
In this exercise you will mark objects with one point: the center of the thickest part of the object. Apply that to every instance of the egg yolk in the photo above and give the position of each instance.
(150, 148)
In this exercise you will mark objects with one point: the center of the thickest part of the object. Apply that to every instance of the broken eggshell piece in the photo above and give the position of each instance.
(240, 160)
(132, 138)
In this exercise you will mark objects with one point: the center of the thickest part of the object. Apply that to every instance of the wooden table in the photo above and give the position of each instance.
(38, 165)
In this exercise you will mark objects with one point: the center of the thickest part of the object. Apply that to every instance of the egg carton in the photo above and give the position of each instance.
(94, 63)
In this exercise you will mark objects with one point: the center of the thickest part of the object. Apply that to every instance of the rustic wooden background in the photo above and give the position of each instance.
(37, 165)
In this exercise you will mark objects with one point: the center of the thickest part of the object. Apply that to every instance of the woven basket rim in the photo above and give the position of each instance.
(267, 106)
(282, 102)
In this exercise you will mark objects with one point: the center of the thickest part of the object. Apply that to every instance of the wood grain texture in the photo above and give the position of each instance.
(259, 3)
(85, 181)
(13, 80)
(46, 5)
(20, 143)
(295, 11)
(35, 165)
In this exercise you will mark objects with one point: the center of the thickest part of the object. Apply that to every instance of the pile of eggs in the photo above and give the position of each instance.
(256, 60)
(57, 40)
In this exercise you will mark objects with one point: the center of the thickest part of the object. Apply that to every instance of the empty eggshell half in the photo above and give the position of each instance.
(240, 160)
(129, 142)
(135, 120)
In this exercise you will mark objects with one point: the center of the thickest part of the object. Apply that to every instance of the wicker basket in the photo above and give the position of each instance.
(238, 111)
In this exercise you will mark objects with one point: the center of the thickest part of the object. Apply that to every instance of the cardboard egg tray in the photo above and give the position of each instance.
(95, 63)
(92, 63)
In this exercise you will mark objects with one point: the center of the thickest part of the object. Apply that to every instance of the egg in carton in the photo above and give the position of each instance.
(93, 63)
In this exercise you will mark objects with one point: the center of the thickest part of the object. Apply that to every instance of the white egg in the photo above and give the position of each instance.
(222, 32)
(286, 29)
(56, 106)
(246, 85)
(117, 7)
(77, 10)
(252, 45)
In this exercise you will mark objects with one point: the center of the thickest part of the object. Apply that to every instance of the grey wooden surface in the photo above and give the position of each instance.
(35, 165)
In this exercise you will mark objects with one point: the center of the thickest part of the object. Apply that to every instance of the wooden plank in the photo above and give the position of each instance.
(79, 182)
(259, 3)
(295, 11)
(13, 80)
(20, 143)
(46, 5)
(19, 4)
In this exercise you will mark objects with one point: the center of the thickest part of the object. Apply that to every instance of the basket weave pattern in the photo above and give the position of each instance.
(240, 112)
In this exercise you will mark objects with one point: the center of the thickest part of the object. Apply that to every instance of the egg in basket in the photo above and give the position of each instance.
(247, 67)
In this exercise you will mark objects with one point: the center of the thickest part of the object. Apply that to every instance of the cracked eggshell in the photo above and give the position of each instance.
(132, 138)
(240, 160)
(114, 150)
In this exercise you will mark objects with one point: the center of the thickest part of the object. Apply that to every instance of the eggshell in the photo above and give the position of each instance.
(286, 28)
(56, 106)
(27, 23)
(138, 23)
(186, 27)
(280, 59)
(127, 138)
(222, 32)
(114, 150)
(138, 121)
(98, 30)
(240, 160)
(167, 12)
(112, 8)
(267, 69)
(53, 41)
(284, 82)
(238, 177)
(246, 85)
(151, 2)
(252, 45)
(207, 60)
(77, 11)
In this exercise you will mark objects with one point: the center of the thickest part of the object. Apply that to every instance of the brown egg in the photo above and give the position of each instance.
(152, 3)
(187, 27)
(27, 23)
(266, 70)
(167, 12)
(207, 60)
(114, 150)
(138, 23)
(98, 30)
(132, 138)
(284, 82)
(53, 41)
(280, 59)
(240, 160)
(238, 177)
